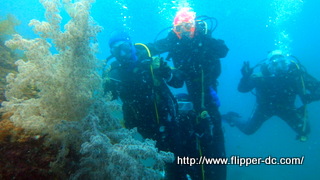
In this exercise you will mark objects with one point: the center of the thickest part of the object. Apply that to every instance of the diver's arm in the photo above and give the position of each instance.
(312, 88)
(246, 84)
(217, 68)
(307, 87)
(173, 77)
(176, 79)
(218, 48)
(162, 45)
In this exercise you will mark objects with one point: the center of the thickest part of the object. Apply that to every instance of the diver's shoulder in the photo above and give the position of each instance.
(257, 75)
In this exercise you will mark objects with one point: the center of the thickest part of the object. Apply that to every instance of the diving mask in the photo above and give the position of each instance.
(278, 65)
(121, 50)
(184, 29)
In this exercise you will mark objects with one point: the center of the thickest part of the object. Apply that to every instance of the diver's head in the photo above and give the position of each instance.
(121, 47)
(184, 23)
(275, 54)
(277, 63)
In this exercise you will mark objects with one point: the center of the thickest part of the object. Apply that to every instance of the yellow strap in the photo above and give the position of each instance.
(146, 47)
(301, 78)
(202, 106)
(202, 164)
(152, 74)
(157, 114)
(305, 105)
(304, 118)
(202, 89)
(154, 100)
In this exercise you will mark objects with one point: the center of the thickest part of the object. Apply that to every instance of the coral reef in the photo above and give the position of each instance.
(107, 150)
(9, 132)
(7, 57)
(55, 100)
(7, 26)
(51, 87)
(23, 156)
(26, 160)
(116, 154)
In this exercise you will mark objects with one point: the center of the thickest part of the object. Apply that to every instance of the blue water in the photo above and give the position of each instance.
(250, 28)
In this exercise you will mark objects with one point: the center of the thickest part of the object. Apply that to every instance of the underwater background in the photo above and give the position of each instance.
(250, 29)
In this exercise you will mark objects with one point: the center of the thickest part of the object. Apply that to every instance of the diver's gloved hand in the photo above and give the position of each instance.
(230, 118)
(246, 70)
(164, 70)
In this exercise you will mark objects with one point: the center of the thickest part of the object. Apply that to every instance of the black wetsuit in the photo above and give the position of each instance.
(199, 61)
(276, 96)
(148, 103)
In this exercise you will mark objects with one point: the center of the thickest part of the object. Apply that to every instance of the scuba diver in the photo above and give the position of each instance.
(141, 84)
(197, 55)
(281, 79)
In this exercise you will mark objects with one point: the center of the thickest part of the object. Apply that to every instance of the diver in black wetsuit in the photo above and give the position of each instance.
(141, 84)
(277, 85)
(197, 55)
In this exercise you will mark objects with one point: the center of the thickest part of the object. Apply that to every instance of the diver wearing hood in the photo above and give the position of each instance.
(277, 86)
(197, 55)
(141, 84)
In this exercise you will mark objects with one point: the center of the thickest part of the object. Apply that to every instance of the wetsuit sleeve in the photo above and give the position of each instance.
(312, 86)
(217, 69)
(176, 80)
(308, 87)
(218, 48)
(246, 84)
(173, 77)
(162, 45)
